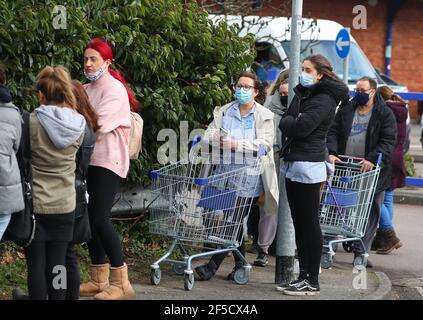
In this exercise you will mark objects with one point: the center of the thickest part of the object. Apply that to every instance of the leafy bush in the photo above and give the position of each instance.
(409, 165)
(179, 64)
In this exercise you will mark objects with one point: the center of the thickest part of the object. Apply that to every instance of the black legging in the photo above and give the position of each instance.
(44, 280)
(219, 257)
(102, 186)
(304, 200)
(72, 272)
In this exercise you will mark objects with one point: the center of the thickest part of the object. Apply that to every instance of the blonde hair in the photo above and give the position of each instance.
(282, 79)
(56, 86)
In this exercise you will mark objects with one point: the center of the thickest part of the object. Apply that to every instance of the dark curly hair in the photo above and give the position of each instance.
(258, 85)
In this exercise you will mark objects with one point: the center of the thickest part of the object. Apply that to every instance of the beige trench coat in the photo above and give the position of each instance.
(265, 132)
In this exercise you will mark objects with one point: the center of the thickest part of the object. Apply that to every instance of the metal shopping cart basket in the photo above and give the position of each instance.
(345, 206)
(201, 204)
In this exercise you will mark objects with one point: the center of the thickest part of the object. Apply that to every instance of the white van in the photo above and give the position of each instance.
(273, 43)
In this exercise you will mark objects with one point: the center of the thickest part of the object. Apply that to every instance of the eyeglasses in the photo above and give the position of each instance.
(357, 90)
(245, 86)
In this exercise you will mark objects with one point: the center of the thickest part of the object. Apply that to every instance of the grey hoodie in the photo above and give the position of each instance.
(63, 125)
(273, 103)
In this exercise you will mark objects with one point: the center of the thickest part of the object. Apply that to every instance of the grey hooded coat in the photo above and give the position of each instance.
(11, 197)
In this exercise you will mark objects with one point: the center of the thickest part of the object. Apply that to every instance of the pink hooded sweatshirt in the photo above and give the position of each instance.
(110, 100)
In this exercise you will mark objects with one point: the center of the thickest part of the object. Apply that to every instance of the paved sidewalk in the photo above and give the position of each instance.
(336, 284)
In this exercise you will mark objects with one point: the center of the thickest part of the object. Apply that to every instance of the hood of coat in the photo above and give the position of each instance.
(63, 125)
(336, 89)
(5, 95)
(274, 104)
(399, 109)
(9, 105)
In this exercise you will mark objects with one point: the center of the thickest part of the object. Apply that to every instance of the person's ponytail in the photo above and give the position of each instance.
(132, 101)
(56, 86)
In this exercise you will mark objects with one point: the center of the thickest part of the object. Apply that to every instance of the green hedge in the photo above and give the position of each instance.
(178, 63)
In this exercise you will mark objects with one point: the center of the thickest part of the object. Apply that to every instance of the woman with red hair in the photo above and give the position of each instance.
(112, 100)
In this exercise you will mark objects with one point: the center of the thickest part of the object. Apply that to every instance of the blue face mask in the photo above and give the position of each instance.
(306, 79)
(243, 95)
(96, 75)
(361, 98)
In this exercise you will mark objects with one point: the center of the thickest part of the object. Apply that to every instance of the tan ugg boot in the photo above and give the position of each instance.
(119, 288)
(99, 280)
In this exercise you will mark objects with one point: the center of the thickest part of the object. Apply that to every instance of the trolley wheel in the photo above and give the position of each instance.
(155, 276)
(241, 275)
(188, 281)
(178, 268)
(348, 246)
(326, 261)
(360, 262)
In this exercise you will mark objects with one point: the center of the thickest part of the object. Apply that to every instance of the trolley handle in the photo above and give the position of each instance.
(261, 151)
(196, 140)
(379, 158)
(356, 159)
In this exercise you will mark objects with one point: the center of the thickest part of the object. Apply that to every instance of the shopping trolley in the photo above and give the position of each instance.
(345, 207)
(201, 204)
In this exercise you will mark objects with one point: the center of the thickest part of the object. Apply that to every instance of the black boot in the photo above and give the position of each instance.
(238, 265)
(284, 273)
(206, 271)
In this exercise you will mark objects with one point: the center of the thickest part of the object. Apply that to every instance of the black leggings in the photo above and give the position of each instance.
(304, 201)
(46, 270)
(72, 272)
(102, 187)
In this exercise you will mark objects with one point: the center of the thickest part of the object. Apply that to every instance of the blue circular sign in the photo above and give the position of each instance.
(342, 43)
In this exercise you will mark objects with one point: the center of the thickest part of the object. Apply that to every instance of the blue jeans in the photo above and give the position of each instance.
(4, 222)
(387, 212)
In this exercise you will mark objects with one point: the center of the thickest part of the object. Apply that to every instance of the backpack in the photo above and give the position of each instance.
(135, 136)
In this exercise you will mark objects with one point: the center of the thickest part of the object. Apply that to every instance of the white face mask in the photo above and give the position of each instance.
(96, 75)
(306, 79)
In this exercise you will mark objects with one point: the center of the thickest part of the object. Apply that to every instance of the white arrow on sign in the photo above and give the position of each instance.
(341, 44)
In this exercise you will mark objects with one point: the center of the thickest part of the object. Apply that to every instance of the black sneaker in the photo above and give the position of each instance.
(304, 288)
(261, 260)
(283, 287)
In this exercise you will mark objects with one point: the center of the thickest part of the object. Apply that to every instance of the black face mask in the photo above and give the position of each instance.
(284, 101)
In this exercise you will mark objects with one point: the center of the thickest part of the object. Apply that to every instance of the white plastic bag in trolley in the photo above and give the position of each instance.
(190, 214)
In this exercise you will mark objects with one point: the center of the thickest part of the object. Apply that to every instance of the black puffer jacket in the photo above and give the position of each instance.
(380, 137)
(309, 117)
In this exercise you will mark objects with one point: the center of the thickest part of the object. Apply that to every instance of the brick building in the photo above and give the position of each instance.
(407, 32)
